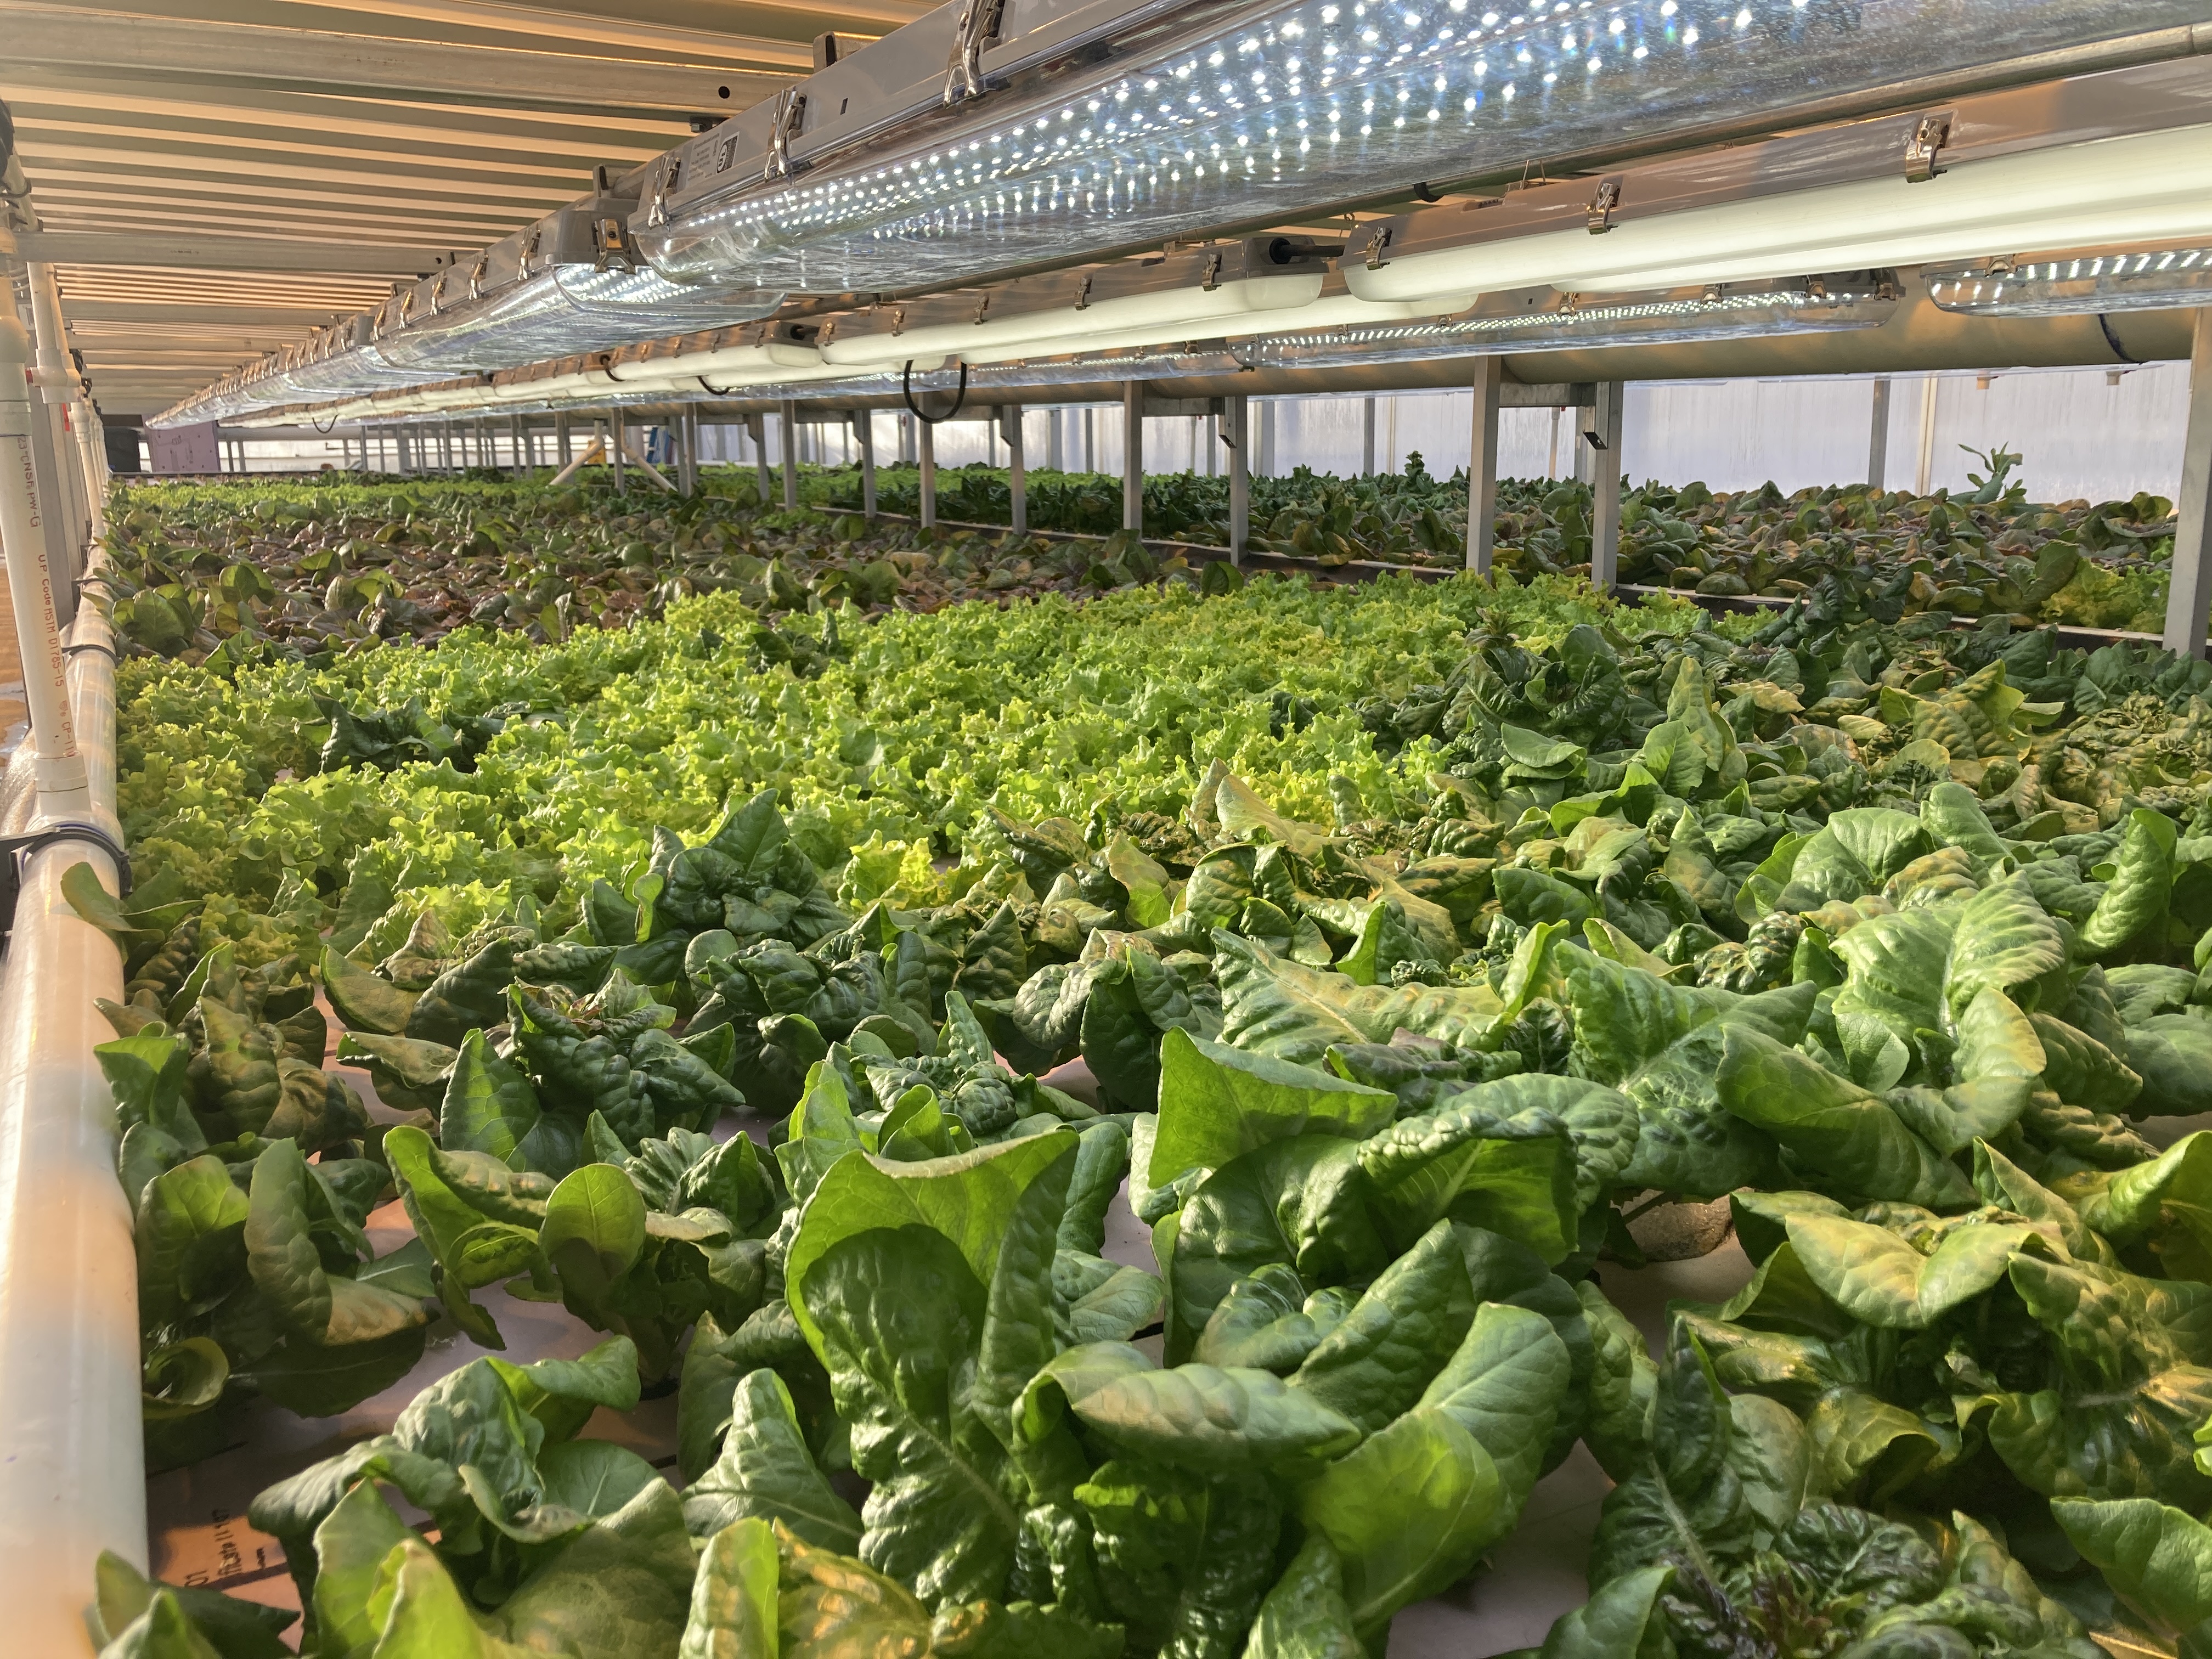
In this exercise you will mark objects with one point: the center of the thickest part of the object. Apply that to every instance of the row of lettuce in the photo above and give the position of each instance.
(1414, 936)
(241, 572)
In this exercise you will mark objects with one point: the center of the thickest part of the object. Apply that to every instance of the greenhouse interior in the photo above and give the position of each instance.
(1100, 829)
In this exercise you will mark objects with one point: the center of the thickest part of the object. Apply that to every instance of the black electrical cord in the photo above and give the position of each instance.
(2113, 340)
(906, 390)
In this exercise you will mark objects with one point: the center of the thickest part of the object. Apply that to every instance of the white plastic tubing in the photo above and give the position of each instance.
(72, 1472)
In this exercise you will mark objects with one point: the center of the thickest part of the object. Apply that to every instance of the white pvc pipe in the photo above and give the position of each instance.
(73, 1480)
(1206, 309)
(2147, 188)
(58, 378)
(24, 499)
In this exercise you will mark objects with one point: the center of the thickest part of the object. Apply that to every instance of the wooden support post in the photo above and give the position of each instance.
(1605, 479)
(1482, 465)
(1133, 456)
(1240, 477)
(1009, 427)
(2189, 593)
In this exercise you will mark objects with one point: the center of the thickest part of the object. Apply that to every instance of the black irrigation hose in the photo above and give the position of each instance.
(906, 390)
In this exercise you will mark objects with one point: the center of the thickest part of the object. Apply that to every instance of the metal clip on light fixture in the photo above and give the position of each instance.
(1599, 212)
(790, 116)
(1925, 146)
(977, 28)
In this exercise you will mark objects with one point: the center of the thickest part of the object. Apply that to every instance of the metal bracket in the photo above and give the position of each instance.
(612, 249)
(1212, 272)
(657, 215)
(1083, 292)
(1816, 288)
(783, 127)
(977, 28)
(476, 278)
(1377, 247)
(1599, 212)
(983, 310)
(898, 321)
(1923, 148)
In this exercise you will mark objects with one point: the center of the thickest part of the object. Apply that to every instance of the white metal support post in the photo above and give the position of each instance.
(617, 448)
(1133, 456)
(756, 430)
(1367, 437)
(687, 458)
(786, 424)
(864, 435)
(1878, 437)
(1605, 479)
(2189, 596)
(1482, 465)
(1017, 484)
(1240, 477)
(925, 443)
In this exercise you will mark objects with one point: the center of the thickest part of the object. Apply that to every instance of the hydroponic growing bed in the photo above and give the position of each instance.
(1142, 1126)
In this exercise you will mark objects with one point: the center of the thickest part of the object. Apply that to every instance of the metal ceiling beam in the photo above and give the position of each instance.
(32, 90)
(403, 181)
(195, 313)
(225, 254)
(362, 65)
(157, 136)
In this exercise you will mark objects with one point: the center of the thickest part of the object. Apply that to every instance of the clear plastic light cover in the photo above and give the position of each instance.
(565, 311)
(1325, 101)
(2163, 280)
(1861, 300)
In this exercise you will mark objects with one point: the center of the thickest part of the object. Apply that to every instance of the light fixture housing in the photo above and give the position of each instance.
(1547, 320)
(1102, 127)
(2068, 285)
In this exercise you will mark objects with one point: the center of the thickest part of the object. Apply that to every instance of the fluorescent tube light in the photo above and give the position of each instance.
(561, 311)
(1293, 106)
(2151, 187)
(1570, 322)
(2161, 279)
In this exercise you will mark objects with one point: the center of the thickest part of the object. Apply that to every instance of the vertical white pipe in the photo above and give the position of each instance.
(1482, 465)
(787, 423)
(2189, 594)
(1367, 437)
(1924, 474)
(1240, 477)
(864, 433)
(926, 444)
(1133, 456)
(60, 770)
(1605, 479)
(1018, 483)
(1878, 437)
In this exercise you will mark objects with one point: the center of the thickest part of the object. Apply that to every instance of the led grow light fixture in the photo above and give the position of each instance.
(1282, 109)
(2144, 280)
(1566, 322)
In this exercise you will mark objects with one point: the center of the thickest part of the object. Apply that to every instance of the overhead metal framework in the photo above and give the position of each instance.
(239, 171)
